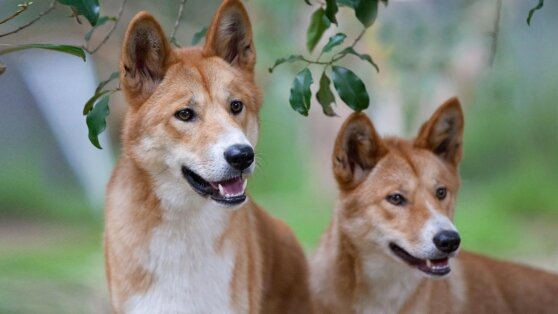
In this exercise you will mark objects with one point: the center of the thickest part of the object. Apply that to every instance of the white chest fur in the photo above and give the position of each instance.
(192, 274)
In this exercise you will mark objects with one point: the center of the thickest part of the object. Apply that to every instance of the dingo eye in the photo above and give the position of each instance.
(185, 114)
(396, 199)
(441, 193)
(236, 106)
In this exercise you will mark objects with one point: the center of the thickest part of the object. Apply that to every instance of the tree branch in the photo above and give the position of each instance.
(22, 7)
(495, 33)
(177, 22)
(45, 12)
(120, 11)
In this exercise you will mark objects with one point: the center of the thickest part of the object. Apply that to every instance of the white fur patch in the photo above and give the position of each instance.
(436, 223)
(190, 275)
(391, 284)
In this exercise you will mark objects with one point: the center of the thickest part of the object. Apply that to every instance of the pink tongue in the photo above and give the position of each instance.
(440, 262)
(233, 187)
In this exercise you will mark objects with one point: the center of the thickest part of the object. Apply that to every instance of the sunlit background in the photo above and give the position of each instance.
(52, 179)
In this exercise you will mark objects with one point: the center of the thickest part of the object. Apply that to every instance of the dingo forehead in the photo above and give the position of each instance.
(405, 164)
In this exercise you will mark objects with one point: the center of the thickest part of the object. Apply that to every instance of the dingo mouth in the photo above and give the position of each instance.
(433, 267)
(229, 192)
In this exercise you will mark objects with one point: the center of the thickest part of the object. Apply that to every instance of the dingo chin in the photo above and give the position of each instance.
(181, 234)
(392, 231)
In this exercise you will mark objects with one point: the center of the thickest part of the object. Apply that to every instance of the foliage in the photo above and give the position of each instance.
(72, 50)
(87, 8)
(348, 85)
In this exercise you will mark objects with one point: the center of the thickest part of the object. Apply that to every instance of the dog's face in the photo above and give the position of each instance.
(193, 117)
(399, 196)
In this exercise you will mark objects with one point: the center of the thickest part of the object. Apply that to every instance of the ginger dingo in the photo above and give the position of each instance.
(181, 235)
(392, 231)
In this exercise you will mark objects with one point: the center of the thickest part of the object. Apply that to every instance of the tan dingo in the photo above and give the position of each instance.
(181, 235)
(392, 231)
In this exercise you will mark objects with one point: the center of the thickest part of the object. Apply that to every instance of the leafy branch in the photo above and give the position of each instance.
(101, 21)
(348, 85)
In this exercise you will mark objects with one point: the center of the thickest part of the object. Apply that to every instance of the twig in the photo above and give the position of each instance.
(495, 33)
(22, 7)
(45, 12)
(113, 27)
(359, 37)
(178, 18)
(337, 56)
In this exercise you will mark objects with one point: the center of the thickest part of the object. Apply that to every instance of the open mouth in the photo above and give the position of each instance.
(229, 192)
(434, 267)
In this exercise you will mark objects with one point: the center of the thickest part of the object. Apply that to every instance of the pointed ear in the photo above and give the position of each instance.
(358, 148)
(443, 132)
(146, 54)
(230, 36)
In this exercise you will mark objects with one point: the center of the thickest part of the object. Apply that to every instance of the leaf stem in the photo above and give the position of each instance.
(337, 56)
(45, 12)
(113, 27)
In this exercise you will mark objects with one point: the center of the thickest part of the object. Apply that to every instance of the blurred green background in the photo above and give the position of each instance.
(51, 224)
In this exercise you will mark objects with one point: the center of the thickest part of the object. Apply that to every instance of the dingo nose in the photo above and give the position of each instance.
(239, 156)
(447, 241)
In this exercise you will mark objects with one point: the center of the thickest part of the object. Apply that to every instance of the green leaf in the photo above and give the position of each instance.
(73, 50)
(366, 11)
(331, 10)
(325, 97)
(334, 41)
(96, 120)
(319, 23)
(199, 36)
(362, 56)
(350, 88)
(89, 104)
(532, 11)
(289, 59)
(102, 21)
(300, 92)
(88, 8)
(113, 76)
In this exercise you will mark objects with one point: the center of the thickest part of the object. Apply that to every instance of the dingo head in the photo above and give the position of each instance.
(192, 122)
(399, 195)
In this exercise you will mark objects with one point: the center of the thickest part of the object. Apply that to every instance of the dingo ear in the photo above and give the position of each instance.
(443, 133)
(145, 55)
(358, 148)
(230, 36)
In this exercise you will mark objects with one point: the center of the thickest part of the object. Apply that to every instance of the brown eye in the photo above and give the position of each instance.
(396, 199)
(441, 193)
(236, 106)
(185, 114)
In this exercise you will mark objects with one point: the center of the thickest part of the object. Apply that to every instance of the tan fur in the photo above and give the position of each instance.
(270, 270)
(353, 271)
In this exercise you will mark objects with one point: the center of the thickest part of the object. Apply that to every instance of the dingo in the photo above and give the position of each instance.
(392, 230)
(181, 235)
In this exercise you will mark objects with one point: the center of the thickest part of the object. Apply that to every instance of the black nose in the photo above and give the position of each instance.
(239, 156)
(447, 241)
